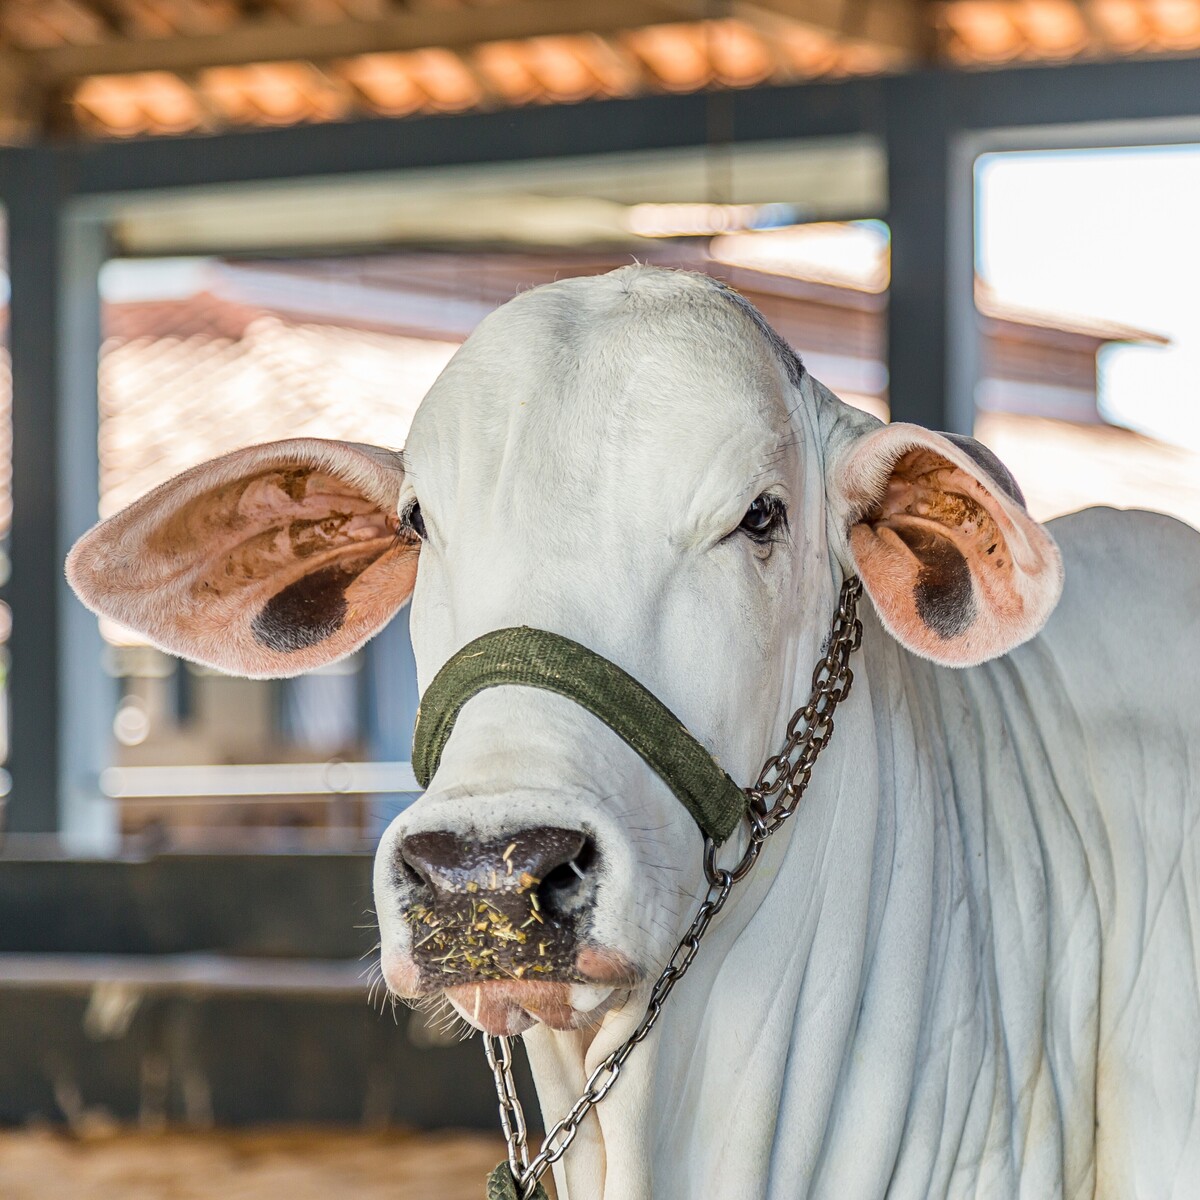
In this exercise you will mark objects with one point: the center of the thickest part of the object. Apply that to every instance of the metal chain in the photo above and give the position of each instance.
(782, 780)
(512, 1115)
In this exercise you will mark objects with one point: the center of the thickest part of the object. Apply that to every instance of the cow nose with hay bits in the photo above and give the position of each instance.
(507, 908)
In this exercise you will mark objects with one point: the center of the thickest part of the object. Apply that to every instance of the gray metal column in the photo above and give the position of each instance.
(32, 198)
(58, 692)
(390, 698)
(930, 337)
(88, 822)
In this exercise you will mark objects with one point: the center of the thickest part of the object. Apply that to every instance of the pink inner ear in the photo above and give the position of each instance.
(958, 572)
(301, 555)
(957, 532)
(268, 521)
(269, 572)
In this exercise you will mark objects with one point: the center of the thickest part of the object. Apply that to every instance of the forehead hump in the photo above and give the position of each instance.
(625, 358)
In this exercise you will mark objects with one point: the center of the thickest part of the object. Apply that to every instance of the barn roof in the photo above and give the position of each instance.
(130, 67)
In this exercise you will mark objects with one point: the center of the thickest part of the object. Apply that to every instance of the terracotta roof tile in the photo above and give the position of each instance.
(445, 79)
(274, 94)
(1177, 23)
(737, 51)
(986, 32)
(1123, 24)
(680, 57)
(384, 83)
(155, 102)
(167, 402)
(741, 56)
(677, 55)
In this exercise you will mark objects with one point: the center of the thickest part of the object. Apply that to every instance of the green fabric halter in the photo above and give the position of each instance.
(502, 1186)
(527, 657)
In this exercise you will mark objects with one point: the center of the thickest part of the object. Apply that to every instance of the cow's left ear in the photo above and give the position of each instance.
(937, 528)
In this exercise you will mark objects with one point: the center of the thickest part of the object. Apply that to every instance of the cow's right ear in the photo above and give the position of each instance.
(266, 562)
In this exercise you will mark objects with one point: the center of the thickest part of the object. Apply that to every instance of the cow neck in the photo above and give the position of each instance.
(784, 779)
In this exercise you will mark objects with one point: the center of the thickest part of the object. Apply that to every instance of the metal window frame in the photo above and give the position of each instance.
(933, 124)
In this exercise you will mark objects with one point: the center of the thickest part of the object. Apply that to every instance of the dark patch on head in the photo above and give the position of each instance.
(995, 470)
(788, 357)
(944, 597)
(308, 611)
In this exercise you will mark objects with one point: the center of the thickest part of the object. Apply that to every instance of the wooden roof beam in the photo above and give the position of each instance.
(111, 15)
(899, 26)
(274, 39)
(24, 100)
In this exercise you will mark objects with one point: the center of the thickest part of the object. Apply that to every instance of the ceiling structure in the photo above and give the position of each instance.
(121, 68)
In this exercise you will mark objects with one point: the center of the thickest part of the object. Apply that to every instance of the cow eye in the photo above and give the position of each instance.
(764, 518)
(414, 521)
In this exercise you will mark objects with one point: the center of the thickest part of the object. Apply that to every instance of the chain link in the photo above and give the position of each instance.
(781, 785)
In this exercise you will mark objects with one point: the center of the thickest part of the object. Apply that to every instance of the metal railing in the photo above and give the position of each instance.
(258, 781)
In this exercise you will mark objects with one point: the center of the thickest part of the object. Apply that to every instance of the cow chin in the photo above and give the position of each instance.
(509, 1007)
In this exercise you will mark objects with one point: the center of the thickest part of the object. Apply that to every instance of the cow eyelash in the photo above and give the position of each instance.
(765, 519)
(412, 522)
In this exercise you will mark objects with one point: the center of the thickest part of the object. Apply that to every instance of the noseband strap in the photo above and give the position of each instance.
(525, 657)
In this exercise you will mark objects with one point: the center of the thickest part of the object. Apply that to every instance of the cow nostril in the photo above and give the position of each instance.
(416, 879)
(563, 889)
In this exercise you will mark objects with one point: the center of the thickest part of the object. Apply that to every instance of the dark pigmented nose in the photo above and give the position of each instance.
(551, 863)
(501, 907)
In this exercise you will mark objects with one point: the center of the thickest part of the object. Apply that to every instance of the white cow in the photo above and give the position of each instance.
(968, 967)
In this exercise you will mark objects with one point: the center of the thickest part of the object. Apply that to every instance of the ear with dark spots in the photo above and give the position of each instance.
(943, 595)
(937, 529)
(995, 470)
(266, 562)
(306, 612)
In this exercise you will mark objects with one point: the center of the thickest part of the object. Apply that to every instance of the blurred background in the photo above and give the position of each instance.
(229, 221)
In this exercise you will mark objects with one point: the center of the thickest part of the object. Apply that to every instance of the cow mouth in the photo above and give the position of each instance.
(509, 1007)
(597, 981)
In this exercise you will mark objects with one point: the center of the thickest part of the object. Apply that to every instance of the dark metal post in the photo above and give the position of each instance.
(59, 696)
(32, 201)
(921, 304)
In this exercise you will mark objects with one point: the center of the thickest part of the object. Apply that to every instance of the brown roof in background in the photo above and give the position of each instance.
(347, 347)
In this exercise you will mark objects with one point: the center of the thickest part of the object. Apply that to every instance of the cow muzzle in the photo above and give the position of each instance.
(499, 926)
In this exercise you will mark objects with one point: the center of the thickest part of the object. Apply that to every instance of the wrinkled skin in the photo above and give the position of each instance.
(906, 999)
(968, 966)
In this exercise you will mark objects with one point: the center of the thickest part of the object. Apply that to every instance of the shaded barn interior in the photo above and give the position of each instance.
(233, 220)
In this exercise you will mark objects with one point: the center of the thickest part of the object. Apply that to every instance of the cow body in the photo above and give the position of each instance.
(1009, 1006)
(966, 967)
(972, 970)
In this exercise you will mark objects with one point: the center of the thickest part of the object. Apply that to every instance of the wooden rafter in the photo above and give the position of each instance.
(111, 15)
(37, 83)
(276, 39)
(897, 26)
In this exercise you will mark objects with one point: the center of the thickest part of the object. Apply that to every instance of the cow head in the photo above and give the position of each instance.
(634, 461)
